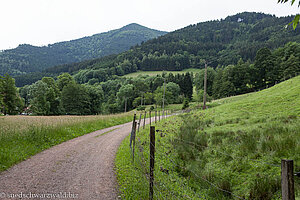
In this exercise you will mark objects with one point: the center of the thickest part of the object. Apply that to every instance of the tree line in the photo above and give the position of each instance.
(69, 95)
(65, 96)
(269, 68)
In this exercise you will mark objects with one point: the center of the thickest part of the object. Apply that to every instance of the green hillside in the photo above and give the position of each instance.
(27, 58)
(232, 150)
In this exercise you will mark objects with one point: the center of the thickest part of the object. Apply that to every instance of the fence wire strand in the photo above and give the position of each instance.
(226, 154)
(157, 186)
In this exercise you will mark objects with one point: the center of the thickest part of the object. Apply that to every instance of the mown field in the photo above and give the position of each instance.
(24, 136)
(233, 150)
(154, 73)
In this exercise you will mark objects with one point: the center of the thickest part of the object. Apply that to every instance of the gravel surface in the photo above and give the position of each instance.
(81, 168)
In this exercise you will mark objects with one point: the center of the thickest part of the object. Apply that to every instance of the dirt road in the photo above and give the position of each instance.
(82, 168)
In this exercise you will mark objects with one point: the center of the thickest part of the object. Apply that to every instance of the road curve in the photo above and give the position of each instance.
(81, 168)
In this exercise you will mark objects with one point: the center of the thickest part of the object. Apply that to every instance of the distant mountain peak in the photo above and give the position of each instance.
(133, 25)
(28, 58)
(138, 27)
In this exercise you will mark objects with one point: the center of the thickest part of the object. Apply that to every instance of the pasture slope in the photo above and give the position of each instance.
(232, 150)
(154, 73)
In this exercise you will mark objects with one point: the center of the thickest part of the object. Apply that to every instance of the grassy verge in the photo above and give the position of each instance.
(232, 150)
(19, 144)
(133, 175)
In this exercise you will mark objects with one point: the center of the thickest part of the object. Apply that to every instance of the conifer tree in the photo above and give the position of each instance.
(188, 86)
(291, 67)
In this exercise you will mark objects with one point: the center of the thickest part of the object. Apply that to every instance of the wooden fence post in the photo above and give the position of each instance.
(144, 120)
(159, 115)
(133, 148)
(152, 157)
(150, 116)
(155, 115)
(140, 122)
(131, 135)
(287, 180)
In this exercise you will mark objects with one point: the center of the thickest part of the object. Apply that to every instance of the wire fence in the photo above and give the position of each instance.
(163, 192)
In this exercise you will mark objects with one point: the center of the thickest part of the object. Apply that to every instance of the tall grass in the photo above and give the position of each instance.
(233, 149)
(24, 136)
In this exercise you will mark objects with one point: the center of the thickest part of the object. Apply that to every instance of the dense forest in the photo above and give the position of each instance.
(54, 97)
(220, 42)
(27, 58)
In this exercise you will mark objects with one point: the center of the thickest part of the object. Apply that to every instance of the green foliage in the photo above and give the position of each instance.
(263, 63)
(297, 17)
(75, 100)
(199, 96)
(187, 86)
(126, 95)
(199, 80)
(96, 95)
(185, 104)
(64, 80)
(139, 108)
(10, 101)
(174, 89)
(39, 101)
(159, 96)
(268, 69)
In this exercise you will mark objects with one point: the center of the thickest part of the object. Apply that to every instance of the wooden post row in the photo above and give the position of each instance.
(152, 157)
(140, 122)
(131, 135)
(287, 180)
(144, 120)
(159, 115)
(133, 138)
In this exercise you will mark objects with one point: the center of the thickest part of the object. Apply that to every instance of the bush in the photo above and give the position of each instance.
(151, 108)
(185, 104)
(199, 96)
(141, 108)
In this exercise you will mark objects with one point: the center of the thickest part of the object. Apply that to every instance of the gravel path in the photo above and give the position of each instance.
(82, 168)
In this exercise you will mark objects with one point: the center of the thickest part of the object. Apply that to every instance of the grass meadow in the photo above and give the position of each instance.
(232, 150)
(154, 73)
(24, 136)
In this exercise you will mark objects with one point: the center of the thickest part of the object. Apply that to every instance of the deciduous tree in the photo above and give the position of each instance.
(11, 101)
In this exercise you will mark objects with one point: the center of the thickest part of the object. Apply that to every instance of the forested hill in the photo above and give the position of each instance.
(221, 42)
(27, 58)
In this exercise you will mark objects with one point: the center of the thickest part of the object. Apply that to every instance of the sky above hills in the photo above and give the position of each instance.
(42, 22)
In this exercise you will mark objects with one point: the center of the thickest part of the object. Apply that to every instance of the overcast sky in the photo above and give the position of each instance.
(42, 22)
